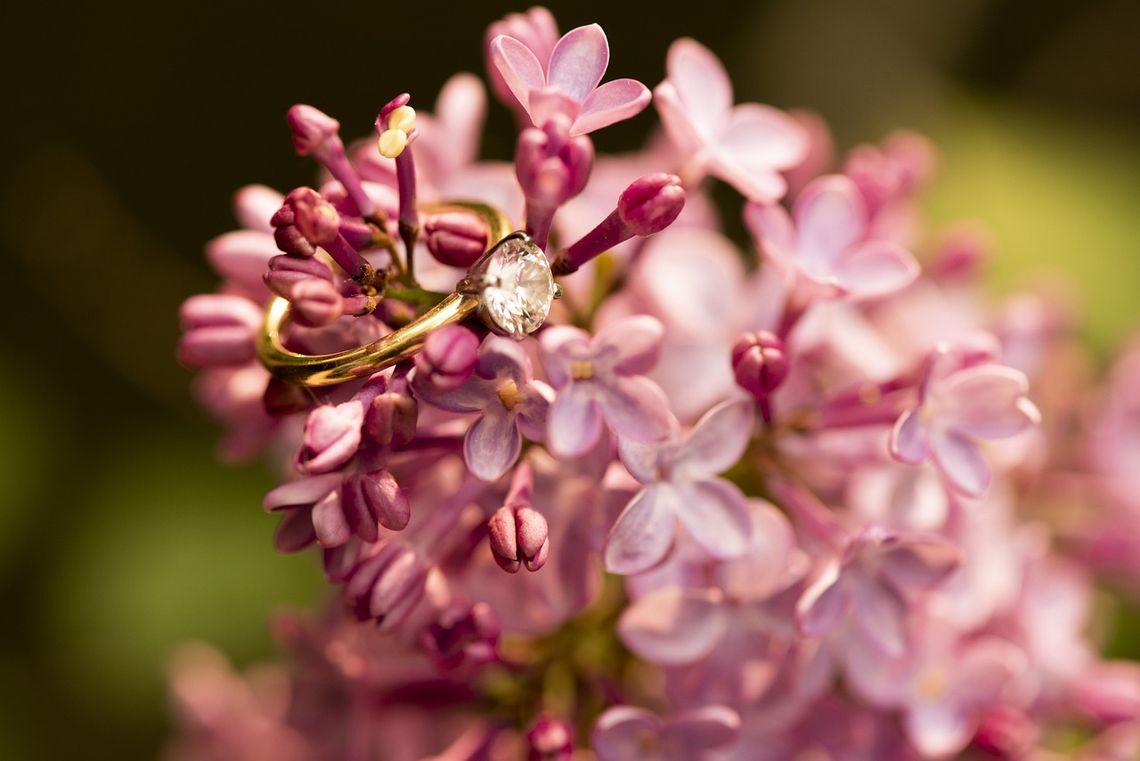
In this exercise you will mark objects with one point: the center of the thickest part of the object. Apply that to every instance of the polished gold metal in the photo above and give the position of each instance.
(331, 369)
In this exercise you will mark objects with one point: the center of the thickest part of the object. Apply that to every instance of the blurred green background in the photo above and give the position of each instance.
(129, 124)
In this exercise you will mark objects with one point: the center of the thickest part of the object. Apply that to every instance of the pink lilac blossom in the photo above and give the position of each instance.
(777, 498)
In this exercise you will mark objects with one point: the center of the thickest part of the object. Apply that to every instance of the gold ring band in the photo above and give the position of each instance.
(331, 369)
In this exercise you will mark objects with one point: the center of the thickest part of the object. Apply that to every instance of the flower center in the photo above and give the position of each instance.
(509, 395)
(932, 684)
(581, 369)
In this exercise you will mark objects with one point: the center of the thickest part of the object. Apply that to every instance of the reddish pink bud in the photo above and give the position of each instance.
(455, 238)
(316, 218)
(285, 272)
(377, 497)
(386, 586)
(651, 203)
(759, 362)
(550, 739)
(448, 358)
(331, 437)
(392, 416)
(219, 330)
(519, 536)
(1006, 733)
(312, 129)
(316, 303)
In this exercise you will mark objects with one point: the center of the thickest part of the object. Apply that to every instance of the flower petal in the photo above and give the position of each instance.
(679, 124)
(961, 462)
(633, 344)
(987, 401)
(909, 440)
(294, 532)
(702, 85)
(715, 512)
(520, 69)
(561, 344)
(695, 732)
(242, 256)
(578, 61)
(613, 102)
(329, 521)
(762, 184)
(876, 268)
(492, 444)
(574, 422)
(880, 614)
(641, 458)
(761, 137)
(830, 218)
(619, 733)
(719, 439)
(918, 563)
(643, 533)
(673, 626)
(255, 205)
(824, 603)
(772, 228)
(938, 729)
(636, 408)
(305, 491)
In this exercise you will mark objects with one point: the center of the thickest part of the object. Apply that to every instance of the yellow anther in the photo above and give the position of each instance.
(933, 683)
(392, 142)
(581, 369)
(403, 119)
(509, 395)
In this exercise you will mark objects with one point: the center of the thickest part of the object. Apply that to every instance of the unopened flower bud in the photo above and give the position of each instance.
(651, 203)
(290, 241)
(759, 362)
(316, 303)
(550, 739)
(285, 272)
(331, 437)
(1006, 733)
(386, 586)
(316, 218)
(519, 536)
(392, 416)
(463, 636)
(378, 496)
(552, 168)
(455, 238)
(312, 129)
(448, 358)
(220, 330)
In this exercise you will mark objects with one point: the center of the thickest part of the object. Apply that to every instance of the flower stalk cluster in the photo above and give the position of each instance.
(777, 498)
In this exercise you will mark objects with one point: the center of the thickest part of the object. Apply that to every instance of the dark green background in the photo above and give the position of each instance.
(128, 125)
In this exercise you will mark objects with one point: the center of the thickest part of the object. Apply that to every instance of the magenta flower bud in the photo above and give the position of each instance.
(316, 218)
(378, 496)
(290, 240)
(220, 330)
(316, 303)
(313, 130)
(550, 739)
(285, 272)
(519, 536)
(551, 168)
(448, 358)
(463, 636)
(759, 362)
(651, 203)
(392, 416)
(1006, 733)
(331, 437)
(455, 238)
(386, 586)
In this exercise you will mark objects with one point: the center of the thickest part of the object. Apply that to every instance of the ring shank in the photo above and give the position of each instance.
(331, 369)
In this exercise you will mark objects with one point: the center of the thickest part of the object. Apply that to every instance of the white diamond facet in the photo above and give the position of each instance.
(518, 287)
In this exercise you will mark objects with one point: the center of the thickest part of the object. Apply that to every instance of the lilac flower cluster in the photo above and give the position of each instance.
(782, 501)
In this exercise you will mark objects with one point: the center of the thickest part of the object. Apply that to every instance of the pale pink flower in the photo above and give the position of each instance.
(566, 84)
(745, 145)
(626, 733)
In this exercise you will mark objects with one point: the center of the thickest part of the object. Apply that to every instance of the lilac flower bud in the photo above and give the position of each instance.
(220, 330)
(285, 272)
(454, 238)
(463, 636)
(392, 418)
(759, 362)
(646, 207)
(386, 586)
(331, 437)
(312, 129)
(651, 203)
(290, 240)
(316, 303)
(551, 167)
(379, 496)
(316, 218)
(518, 533)
(448, 358)
(550, 739)
(1006, 733)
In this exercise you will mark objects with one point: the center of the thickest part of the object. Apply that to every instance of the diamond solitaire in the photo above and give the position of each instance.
(514, 286)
